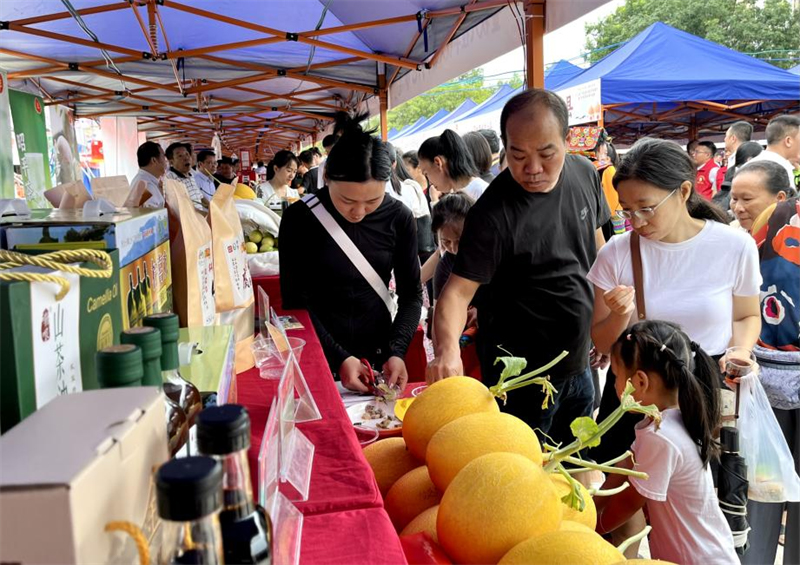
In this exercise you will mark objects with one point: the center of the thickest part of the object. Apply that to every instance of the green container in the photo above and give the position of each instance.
(48, 348)
(120, 366)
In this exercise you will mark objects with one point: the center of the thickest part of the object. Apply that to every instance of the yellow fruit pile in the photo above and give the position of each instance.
(472, 478)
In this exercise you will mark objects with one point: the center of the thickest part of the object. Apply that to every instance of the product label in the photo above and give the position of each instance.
(205, 279)
(239, 271)
(146, 284)
(56, 339)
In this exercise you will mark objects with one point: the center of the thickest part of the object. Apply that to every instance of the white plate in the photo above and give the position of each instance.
(356, 414)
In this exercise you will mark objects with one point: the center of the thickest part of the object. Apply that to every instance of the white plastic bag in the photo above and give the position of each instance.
(264, 264)
(255, 215)
(770, 467)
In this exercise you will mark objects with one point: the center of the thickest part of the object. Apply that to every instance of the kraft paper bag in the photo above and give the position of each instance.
(114, 189)
(232, 280)
(192, 262)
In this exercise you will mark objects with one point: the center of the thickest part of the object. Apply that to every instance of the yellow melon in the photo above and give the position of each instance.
(495, 502)
(570, 526)
(467, 438)
(410, 496)
(587, 517)
(440, 404)
(425, 522)
(389, 460)
(564, 548)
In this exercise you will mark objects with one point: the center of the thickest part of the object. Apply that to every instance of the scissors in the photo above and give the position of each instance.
(377, 384)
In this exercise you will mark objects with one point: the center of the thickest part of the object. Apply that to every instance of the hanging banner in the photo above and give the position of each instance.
(120, 140)
(65, 162)
(27, 113)
(583, 102)
(6, 157)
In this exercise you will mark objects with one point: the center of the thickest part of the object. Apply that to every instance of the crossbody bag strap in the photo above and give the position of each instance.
(638, 276)
(351, 251)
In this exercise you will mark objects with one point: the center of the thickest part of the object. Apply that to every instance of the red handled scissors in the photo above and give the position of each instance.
(376, 383)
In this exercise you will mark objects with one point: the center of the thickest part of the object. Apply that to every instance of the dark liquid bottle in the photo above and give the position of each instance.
(149, 341)
(181, 391)
(189, 493)
(224, 433)
(131, 303)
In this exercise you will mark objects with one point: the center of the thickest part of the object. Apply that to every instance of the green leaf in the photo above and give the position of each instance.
(585, 429)
(513, 366)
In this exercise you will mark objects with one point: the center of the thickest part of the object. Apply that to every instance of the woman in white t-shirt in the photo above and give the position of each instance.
(447, 163)
(672, 372)
(280, 173)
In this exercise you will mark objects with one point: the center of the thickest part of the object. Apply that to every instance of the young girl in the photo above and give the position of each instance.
(675, 374)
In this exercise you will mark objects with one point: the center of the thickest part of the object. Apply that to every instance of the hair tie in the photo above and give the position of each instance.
(663, 347)
(629, 337)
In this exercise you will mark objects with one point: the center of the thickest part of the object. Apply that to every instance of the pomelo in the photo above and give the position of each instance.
(564, 548)
(412, 494)
(494, 503)
(588, 516)
(389, 460)
(467, 438)
(425, 522)
(440, 404)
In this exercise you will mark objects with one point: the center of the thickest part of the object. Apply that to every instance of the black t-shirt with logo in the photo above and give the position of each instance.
(532, 251)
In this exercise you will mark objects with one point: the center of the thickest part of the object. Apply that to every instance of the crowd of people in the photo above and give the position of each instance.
(535, 250)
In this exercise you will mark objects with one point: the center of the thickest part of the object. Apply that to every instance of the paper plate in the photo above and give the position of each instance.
(357, 413)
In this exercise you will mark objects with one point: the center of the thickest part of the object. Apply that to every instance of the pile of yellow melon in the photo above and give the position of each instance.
(471, 477)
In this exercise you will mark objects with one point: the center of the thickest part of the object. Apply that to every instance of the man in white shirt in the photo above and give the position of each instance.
(739, 132)
(783, 143)
(152, 166)
(180, 169)
(204, 174)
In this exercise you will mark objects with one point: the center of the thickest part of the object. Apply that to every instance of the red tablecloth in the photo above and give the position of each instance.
(344, 500)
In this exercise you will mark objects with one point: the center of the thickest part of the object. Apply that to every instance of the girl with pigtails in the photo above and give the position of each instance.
(672, 372)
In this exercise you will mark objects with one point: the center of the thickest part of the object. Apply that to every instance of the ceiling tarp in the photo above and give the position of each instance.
(248, 68)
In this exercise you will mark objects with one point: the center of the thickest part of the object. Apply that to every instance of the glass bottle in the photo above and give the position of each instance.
(142, 308)
(224, 433)
(119, 366)
(148, 289)
(131, 302)
(149, 341)
(181, 391)
(189, 492)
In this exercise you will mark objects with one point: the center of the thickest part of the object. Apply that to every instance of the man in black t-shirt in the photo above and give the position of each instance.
(530, 239)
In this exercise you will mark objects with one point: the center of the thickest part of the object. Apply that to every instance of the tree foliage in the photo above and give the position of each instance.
(768, 28)
(447, 96)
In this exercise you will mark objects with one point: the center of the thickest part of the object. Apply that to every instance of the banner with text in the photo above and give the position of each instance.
(583, 102)
(30, 130)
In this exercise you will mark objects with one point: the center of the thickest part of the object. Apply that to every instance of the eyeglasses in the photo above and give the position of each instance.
(643, 213)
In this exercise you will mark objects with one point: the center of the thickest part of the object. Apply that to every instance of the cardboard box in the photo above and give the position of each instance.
(211, 366)
(48, 346)
(141, 236)
(81, 462)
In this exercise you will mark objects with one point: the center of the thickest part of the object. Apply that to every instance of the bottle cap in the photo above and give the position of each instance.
(223, 429)
(119, 365)
(148, 339)
(189, 488)
(167, 322)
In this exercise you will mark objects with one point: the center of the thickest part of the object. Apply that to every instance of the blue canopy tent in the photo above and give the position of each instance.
(795, 70)
(398, 132)
(559, 73)
(407, 129)
(466, 106)
(421, 126)
(669, 83)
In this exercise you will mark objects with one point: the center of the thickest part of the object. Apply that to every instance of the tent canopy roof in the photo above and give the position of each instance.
(560, 73)
(664, 64)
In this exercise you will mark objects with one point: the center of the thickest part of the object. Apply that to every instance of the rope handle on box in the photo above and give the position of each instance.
(138, 536)
(58, 261)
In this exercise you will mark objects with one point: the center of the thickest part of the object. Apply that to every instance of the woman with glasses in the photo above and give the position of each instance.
(698, 272)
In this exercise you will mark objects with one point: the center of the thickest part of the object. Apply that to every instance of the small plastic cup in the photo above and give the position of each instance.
(366, 436)
(739, 362)
(270, 361)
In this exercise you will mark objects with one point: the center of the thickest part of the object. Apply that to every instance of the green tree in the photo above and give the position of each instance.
(769, 29)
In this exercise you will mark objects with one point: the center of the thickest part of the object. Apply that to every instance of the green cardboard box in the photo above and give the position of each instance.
(140, 235)
(211, 365)
(48, 347)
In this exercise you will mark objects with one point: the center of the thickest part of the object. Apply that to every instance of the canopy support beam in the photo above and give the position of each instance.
(383, 96)
(534, 43)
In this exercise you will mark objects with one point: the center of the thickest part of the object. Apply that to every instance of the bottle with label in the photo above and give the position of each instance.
(132, 307)
(189, 492)
(148, 289)
(149, 341)
(181, 391)
(223, 432)
(119, 366)
(142, 307)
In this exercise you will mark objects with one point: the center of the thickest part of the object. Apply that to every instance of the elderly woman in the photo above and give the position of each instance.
(756, 186)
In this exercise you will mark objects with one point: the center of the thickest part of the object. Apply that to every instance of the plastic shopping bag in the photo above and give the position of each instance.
(770, 467)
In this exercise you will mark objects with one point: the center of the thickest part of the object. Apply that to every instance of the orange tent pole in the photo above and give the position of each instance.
(74, 40)
(450, 35)
(383, 98)
(64, 15)
(534, 43)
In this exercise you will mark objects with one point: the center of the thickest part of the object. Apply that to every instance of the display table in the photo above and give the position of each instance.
(344, 517)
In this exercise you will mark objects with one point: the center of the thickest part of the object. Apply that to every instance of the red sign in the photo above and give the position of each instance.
(37, 105)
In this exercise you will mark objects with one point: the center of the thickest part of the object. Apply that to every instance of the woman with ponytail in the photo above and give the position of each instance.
(352, 318)
(672, 372)
(447, 162)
